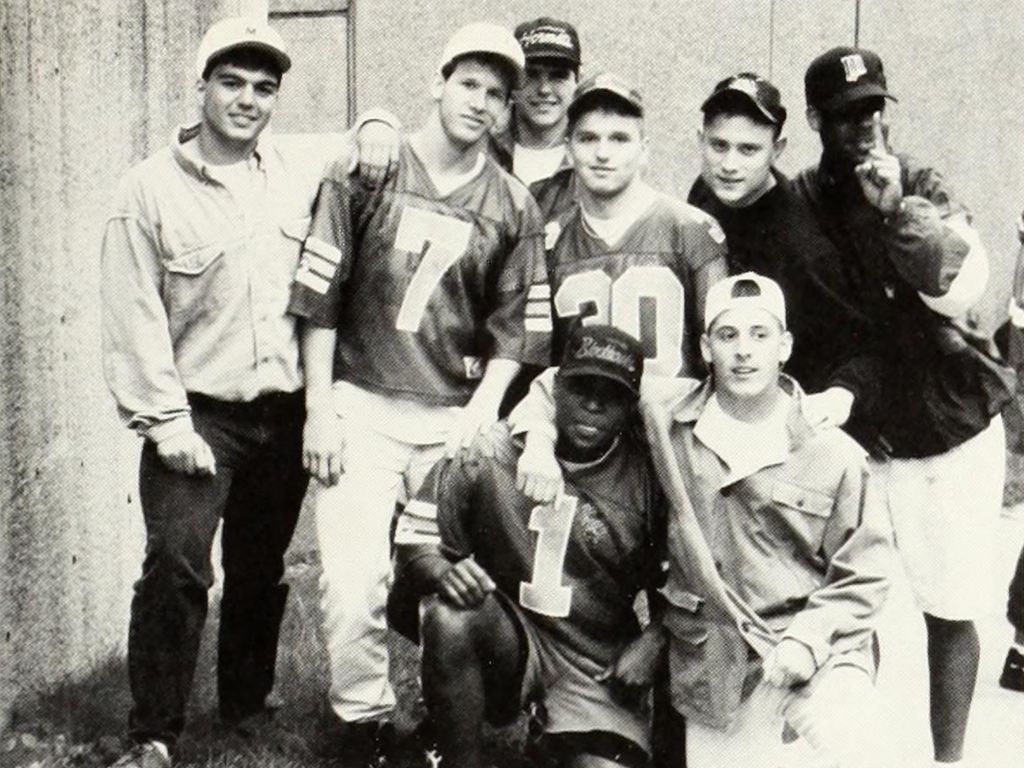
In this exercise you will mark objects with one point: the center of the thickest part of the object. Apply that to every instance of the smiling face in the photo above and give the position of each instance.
(471, 99)
(608, 149)
(237, 103)
(590, 411)
(746, 348)
(737, 155)
(543, 100)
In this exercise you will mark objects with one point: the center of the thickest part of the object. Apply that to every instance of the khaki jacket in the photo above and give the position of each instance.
(798, 549)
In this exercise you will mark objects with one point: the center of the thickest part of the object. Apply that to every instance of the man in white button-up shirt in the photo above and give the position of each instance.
(198, 259)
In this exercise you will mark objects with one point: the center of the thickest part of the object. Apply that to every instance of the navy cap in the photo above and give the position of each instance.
(842, 76)
(606, 351)
(606, 84)
(751, 89)
(547, 38)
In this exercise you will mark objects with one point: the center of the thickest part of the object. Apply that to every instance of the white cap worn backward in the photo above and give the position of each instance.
(749, 290)
(483, 37)
(241, 32)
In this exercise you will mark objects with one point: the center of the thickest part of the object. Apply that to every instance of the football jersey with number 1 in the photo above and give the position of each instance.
(425, 288)
(650, 284)
(574, 566)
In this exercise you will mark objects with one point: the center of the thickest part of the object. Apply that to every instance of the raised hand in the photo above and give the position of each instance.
(879, 174)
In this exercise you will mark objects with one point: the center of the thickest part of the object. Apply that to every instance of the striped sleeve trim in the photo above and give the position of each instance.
(538, 308)
(323, 249)
(318, 264)
(418, 524)
(312, 280)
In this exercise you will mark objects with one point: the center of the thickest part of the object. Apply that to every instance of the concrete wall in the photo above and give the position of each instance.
(88, 88)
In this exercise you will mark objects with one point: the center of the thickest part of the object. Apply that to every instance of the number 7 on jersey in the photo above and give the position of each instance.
(440, 241)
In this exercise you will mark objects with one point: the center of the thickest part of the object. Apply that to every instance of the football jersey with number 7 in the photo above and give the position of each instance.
(424, 288)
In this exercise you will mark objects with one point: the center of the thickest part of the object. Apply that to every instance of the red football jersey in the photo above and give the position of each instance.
(425, 288)
(574, 566)
(651, 284)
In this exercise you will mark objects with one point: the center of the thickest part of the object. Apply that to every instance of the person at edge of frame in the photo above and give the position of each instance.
(1010, 340)
(920, 389)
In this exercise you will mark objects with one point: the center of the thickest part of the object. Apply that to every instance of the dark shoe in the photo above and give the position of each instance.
(1013, 671)
(147, 754)
(369, 745)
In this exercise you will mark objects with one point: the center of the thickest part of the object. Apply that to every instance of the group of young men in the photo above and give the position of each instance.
(374, 345)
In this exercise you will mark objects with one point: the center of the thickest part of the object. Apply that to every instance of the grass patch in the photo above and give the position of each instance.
(81, 721)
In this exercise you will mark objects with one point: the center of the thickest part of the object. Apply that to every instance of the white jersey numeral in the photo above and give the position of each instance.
(440, 241)
(620, 302)
(544, 593)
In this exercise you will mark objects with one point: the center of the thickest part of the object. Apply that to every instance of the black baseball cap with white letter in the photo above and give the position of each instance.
(842, 76)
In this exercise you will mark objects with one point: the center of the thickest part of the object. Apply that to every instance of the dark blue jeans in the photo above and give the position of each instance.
(258, 491)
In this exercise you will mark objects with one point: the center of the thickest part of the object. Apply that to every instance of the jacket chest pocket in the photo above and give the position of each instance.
(803, 511)
(197, 282)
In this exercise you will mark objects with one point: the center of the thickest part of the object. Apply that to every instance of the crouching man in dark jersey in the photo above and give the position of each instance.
(525, 602)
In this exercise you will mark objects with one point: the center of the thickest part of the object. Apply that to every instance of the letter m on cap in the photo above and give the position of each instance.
(854, 67)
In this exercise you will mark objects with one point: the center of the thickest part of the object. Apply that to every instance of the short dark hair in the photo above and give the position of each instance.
(601, 101)
(247, 58)
(738, 105)
(508, 71)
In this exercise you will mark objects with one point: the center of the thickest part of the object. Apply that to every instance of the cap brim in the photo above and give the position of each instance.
(585, 369)
(732, 93)
(284, 61)
(857, 93)
(577, 105)
(556, 57)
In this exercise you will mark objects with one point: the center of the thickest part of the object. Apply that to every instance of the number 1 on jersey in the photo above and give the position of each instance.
(544, 593)
(441, 241)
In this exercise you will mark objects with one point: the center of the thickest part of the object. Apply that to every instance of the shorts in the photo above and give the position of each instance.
(581, 715)
(943, 511)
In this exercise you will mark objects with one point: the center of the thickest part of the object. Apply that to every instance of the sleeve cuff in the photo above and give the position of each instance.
(1016, 314)
(802, 630)
(164, 429)
(377, 115)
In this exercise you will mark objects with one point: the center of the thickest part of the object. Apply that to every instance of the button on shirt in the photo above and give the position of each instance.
(197, 263)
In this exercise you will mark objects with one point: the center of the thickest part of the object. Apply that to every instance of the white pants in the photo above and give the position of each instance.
(353, 521)
(839, 715)
(944, 511)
